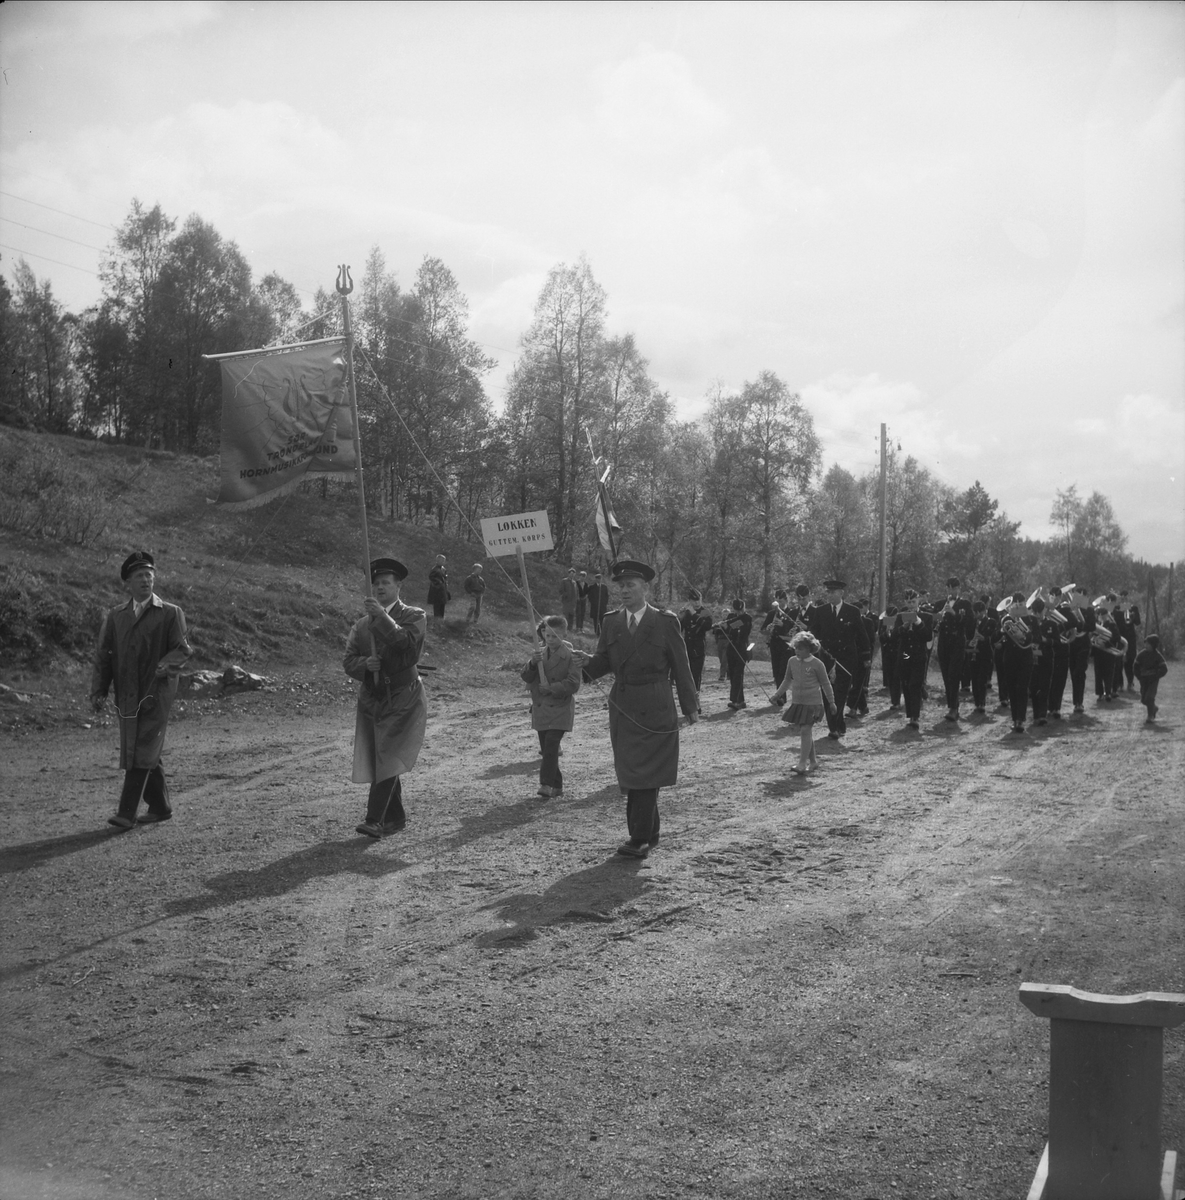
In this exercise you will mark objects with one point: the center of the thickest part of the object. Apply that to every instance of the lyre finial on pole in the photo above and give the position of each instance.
(345, 284)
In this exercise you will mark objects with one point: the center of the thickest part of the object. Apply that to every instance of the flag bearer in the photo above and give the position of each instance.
(142, 645)
(382, 652)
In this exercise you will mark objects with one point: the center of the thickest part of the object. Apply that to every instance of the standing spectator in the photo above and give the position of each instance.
(141, 647)
(582, 590)
(598, 601)
(475, 586)
(569, 594)
(1150, 669)
(554, 679)
(723, 653)
(382, 651)
(438, 593)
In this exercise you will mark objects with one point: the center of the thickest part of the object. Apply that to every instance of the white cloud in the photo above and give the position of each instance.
(652, 103)
(89, 24)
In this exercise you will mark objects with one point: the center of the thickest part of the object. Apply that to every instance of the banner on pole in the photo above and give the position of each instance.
(285, 414)
(504, 535)
(607, 525)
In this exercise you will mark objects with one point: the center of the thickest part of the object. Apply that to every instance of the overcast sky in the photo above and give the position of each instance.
(965, 220)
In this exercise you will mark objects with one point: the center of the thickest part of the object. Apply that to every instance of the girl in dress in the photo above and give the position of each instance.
(810, 689)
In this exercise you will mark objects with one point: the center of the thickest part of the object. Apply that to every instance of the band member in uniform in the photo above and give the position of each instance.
(696, 623)
(1083, 622)
(979, 654)
(1060, 612)
(141, 648)
(1109, 650)
(779, 626)
(956, 623)
(643, 649)
(382, 652)
(1046, 635)
(840, 631)
(598, 601)
(1127, 620)
(1016, 628)
(885, 635)
(858, 705)
(738, 626)
(911, 644)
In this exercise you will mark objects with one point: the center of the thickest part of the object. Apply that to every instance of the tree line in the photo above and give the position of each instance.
(734, 503)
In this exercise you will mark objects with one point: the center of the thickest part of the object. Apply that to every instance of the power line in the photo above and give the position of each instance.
(46, 258)
(60, 211)
(49, 233)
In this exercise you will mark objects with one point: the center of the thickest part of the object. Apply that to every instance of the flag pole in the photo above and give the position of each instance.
(603, 497)
(345, 285)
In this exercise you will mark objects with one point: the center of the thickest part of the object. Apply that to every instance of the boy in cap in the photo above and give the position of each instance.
(142, 645)
(642, 647)
(1150, 668)
(382, 652)
(475, 586)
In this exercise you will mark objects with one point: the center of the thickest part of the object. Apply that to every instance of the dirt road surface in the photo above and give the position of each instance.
(809, 989)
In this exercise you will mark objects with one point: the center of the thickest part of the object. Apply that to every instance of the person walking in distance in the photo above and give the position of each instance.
(582, 590)
(553, 678)
(569, 594)
(141, 648)
(475, 589)
(1150, 669)
(381, 653)
(598, 601)
(642, 648)
(438, 593)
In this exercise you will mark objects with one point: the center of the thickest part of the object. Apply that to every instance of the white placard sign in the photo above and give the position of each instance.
(504, 535)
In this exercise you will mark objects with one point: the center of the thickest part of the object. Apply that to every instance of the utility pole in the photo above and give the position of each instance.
(882, 595)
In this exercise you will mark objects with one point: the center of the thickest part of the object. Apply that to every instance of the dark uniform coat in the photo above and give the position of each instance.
(643, 722)
(392, 714)
(128, 654)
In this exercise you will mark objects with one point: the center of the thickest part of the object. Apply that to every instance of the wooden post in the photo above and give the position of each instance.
(882, 597)
(345, 285)
(1105, 1068)
(522, 571)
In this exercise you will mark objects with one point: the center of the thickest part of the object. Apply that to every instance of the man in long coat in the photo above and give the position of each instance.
(382, 652)
(142, 645)
(840, 629)
(642, 647)
(598, 601)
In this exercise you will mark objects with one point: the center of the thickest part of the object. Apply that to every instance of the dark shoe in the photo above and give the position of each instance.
(1055, 716)
(863, 712)
(1041, 721)
(121, 822)
(632, 849)
(1018, 729)
(913, 725)
(370, 828)
(738, 707)
(394, 826)
(152, 818)
(1079, 709)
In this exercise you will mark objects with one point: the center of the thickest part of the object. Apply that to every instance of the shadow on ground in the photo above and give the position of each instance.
(589, 895)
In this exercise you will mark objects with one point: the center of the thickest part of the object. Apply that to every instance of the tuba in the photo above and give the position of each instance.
(1018, 631)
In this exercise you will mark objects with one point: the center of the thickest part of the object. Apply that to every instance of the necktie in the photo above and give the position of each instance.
(633, 622)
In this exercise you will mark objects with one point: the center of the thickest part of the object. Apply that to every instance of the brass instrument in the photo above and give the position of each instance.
(1018, 631)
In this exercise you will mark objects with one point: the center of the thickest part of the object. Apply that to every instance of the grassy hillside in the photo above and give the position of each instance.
(272, 588)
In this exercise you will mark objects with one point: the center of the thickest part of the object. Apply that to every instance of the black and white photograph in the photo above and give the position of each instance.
(590, 600)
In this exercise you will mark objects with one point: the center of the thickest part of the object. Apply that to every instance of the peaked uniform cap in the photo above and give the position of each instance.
(631, 568)
(387, 566)
(833, 584)
(136, 560)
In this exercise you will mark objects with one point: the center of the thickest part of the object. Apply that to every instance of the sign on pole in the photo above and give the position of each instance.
(514, 534)
(504, 535)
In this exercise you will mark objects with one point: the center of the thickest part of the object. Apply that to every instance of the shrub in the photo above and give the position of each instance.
(41, 497)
